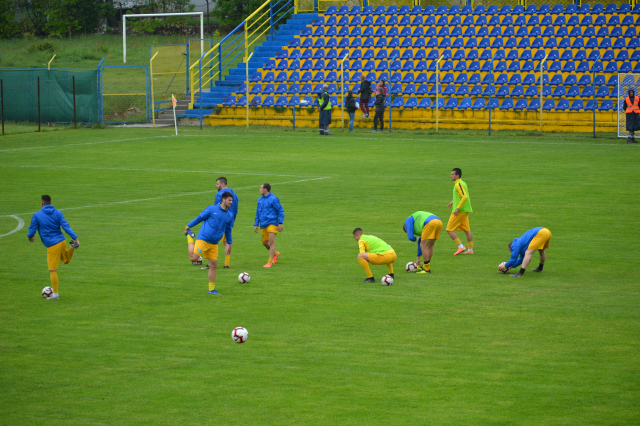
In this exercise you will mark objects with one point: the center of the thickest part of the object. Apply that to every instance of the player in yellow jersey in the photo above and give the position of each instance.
(459, 219)
(375, 251)
(423, 227)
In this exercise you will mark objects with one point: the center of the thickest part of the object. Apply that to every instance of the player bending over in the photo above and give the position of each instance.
(425, 228)
(522, 248)
(218, 221)
(459, 219)
(375, 251)
(47, 222)
(269, 217)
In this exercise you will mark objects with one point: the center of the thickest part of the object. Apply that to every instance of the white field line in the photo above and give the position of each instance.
(152, 170)
(166, 196)
(19, 227)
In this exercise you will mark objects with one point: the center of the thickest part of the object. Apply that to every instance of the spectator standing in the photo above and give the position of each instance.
(633, 115)
(350, 104)
(379, 117)
(365, 95)
(324, 106)
(383, 86)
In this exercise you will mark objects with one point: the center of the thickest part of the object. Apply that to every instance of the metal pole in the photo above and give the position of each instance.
(342, 86)
(220, 61)
(124, 37)
(593, 83)
(541, 89)
(38, 103)
(438, 91)
(271, 17)
(201, 35)
(2, 104)
(153, 105)
(200, 86)
(248, 89)
(390, 96)
(75, 123)
(295, 69)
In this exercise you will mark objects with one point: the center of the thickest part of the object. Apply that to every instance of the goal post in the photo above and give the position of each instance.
(157, 15)
(626, 81)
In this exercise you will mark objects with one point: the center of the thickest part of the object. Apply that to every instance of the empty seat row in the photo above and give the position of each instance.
(482, 10)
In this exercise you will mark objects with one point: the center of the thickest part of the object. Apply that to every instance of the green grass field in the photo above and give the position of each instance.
(136, 339)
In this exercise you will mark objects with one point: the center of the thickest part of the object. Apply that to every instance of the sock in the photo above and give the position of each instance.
(390, 266)
(458, 242)
(365, 266)
(540, 266)
(427, 265)
(470, 244)
(522, 271)
(271, 260)
(54, 281)
(212, 286)
(227, 259)
(190, 239)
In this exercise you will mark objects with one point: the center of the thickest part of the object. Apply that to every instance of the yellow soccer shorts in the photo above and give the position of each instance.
(459, 222)
(541, 240)
(384, 258)
(206, 250)
(55, 254)
(224, 239)
(264, 232)
(431, 230)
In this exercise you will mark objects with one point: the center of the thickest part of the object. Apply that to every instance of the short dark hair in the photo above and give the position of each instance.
(266, 186)
(46, 199)
(458, 171)
(223, 180)
(357, 231)
(226, 195)
(510, 245)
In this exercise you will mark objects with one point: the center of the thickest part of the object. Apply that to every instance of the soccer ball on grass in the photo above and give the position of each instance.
(502, 268)
(239, 334)
(244, 277)
(46, 292)
(411, 267)
(387, 280)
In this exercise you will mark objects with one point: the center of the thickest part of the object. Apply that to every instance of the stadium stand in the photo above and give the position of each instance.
(486, 52)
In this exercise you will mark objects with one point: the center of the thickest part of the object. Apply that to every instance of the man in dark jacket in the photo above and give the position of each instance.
(633, 115)
(379, 117)
(350, 104)
(324, 105)
(365, 94)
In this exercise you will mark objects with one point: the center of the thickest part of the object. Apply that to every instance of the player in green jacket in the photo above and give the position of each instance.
(375, 251)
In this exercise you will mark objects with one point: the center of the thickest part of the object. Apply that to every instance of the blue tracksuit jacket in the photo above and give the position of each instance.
(409, 225)
(519, 247)
(234, 205)
(217, 222)
(47, 222)
(269, 211)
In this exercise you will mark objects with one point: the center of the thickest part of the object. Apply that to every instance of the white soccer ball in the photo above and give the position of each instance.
(411, 267)
(239, 334)
(502, 268)
(47, 291)
(387, 280)
(244, 277)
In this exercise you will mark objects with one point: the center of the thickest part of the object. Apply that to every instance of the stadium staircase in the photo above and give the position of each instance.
(216, 95)
(402, 46)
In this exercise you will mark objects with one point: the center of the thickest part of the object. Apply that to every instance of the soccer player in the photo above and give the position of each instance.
(375, 251)
(459, 219)
(218, 220)
(426, 227)
(269, 217)
(523, 248)
(47, 222)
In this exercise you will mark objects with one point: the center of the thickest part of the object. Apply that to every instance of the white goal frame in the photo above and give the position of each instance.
(149, 15)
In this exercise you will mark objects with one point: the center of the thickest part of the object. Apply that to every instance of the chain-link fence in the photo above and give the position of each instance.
(626, 82)
(168, 70)
(551, 3)
(126, 97)
(36, 99)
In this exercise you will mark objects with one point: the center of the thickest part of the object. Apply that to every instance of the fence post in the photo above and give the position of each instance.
(315, 6)
(38, 103)
(295, 69)
(153, 105)
(75, 123)
(342, 86)
(2, 104)
(247, 69)
(200, 86)
(220, 61)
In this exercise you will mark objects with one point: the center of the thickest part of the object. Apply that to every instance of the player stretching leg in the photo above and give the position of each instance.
(425, 228)
(523, 248)
(375, 251)
(47, 222)
(269, 213)
(459, 219)
(218, 221)
(221, 185)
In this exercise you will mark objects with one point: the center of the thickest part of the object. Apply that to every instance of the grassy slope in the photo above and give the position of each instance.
(135, 339)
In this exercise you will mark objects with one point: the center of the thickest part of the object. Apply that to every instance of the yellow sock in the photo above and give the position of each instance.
(227, 259)
(427, 266)
(390, 266)
(457, 241)
(470, 244)
(271, 260)
(190, 239)
(365, 266)
(54, 281)
(212, 286)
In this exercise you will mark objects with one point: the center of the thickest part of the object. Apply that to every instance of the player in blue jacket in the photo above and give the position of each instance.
(269, 217)
(47, 222)
(218, 221)
(523, 248)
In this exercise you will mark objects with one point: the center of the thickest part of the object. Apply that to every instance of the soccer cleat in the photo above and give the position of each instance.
(74, 244)
(225, 267)
(391, 275)
(213, 292)
(191, 234)
(205, 267)
(422, 271)
(537, 270)
(468, 252)
(460, 250)
(268, 265)
(518, 275)
(369, 280)
(275, 258)
(54, 296)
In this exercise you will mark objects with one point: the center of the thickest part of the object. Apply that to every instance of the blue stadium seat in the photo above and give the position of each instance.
(331, 10)
(463, 90)
(529, 79)
(573, 91)
(421, 78)
(505, 10)
(476, 90)
(603, 92)
(517, 91)
(398, 102)
(442, 10)
(478, 104)
(507, 104)
(281, 77)
(466, 10)
(589, 105)
(611, 67)
(417, 9)
(449, 90)
(451, 103)
(606, 105)
(256, 89)
(423, 89)
(479, 10)
(549, 104)
(230, 101)
(475, 78)
(626, 67)
(488, 79)
(412, 102)
(306, 88)
(515, 79)
(531, 9)
(281, 102)
(503, 90)
(409, 89)
(520, 105)
(242, 101)
(256, 101)
(585, 80)
(465, 104)
(281, 89)
(597, 8)
(268, 89)
(293, 89)
(488, 90)
(454, 10)
(537, 43)
(624, 8)
(563, 105)
(392, 10)
(514, 66)
(587, 92)
(424, 103)
(492, 10)
(583, 9)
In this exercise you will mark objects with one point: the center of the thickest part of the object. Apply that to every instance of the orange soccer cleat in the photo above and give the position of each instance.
(275, 258)
(468, 252)
(268, 265)
(460, 250)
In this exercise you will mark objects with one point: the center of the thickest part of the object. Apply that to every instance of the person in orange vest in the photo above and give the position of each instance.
(633, 115)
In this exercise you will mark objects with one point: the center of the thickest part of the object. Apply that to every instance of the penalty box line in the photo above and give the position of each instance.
(164, 197)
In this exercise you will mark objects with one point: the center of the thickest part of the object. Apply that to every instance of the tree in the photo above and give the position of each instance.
(230, 13)
(9, 26)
